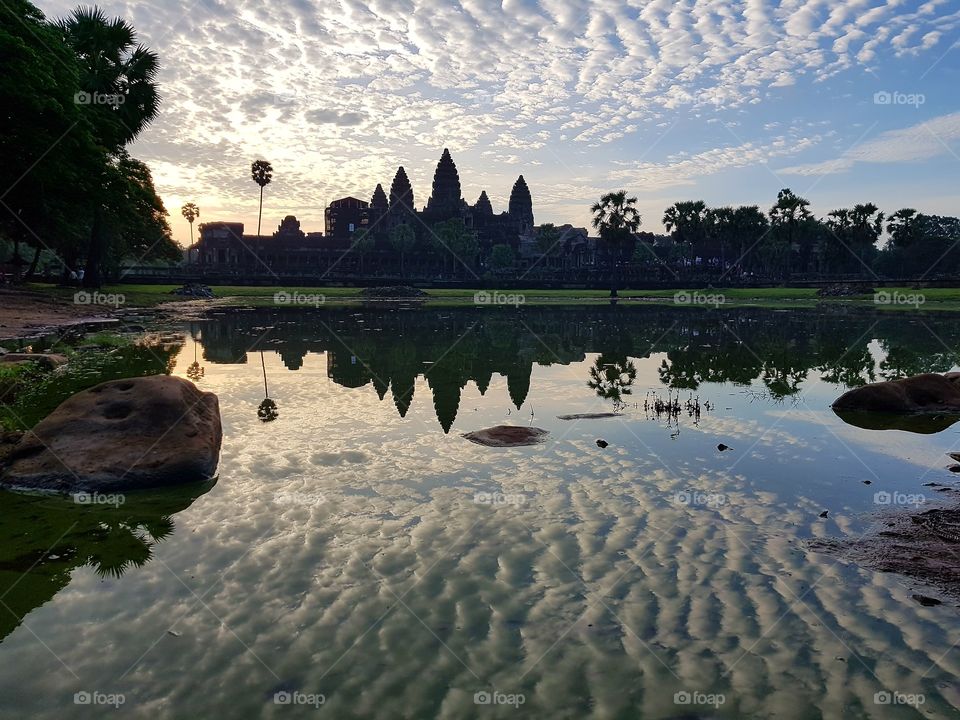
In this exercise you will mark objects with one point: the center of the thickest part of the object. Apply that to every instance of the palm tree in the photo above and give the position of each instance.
(190, 212)
(267, 410)
(262, 173)
(612, 378)
(364, 242)
(402, 238)
(616, 217)
(119, 93)
(687, 222)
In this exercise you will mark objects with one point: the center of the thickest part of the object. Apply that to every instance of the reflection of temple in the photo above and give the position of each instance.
(453, 347)
(223, 246)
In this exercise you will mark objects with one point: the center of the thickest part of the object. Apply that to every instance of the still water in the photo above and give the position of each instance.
(358, 558)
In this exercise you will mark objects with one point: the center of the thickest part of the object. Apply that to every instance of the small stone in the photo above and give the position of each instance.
(824, 513)
(721, 447)
(926, 601)
(602, 443)
(868, 482)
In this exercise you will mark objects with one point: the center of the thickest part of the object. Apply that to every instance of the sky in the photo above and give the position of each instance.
(843, 101)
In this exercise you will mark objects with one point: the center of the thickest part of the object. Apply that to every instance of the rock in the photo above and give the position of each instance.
(507, 436)
(602, 443)
(589, 416)
(927, 601)
(843, 290)
(721, 447)
(193, 290)
(867, 482)
(927, 393)
(9, 439)
(824, 513)
(46, 360)
(954, 456)
(127, 434)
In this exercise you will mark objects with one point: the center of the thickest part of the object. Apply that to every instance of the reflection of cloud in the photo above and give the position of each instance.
(600, 558)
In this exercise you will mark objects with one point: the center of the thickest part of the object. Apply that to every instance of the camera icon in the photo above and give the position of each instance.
(882, 498)
(281, 298)
(882, 98)
(482, 698)
(82, 297)
(481, 298)
(282, 698)
(682, 298)
(683, 497)
(82, 698)
(882, 698)
(682, 698)
(82, 498)
(882, 298)
(82, 98)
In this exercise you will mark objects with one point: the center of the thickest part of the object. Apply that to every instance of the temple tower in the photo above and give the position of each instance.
(445, 201)
(521, 206)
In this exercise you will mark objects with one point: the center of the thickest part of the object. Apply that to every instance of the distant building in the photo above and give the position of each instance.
(344, 217)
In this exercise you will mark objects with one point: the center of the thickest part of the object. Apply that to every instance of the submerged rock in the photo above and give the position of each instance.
(46, 360)
(121, 435)
(589, 416)
(393, 292)
(507, 436)
(927, 393)
(602, 444)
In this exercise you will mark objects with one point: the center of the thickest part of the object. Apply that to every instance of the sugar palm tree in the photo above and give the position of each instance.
(267, 410)
(402, 238)
(262, 173)
(118, 90)
(617, 219)
(190, 212)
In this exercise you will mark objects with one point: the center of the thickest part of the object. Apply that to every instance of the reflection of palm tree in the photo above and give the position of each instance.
(267, 411)
(195, 371)
(612, 380)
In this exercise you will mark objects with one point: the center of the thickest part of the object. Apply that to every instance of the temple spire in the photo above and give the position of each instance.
(445, 200)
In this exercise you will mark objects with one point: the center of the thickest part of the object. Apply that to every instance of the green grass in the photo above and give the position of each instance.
(263, 296)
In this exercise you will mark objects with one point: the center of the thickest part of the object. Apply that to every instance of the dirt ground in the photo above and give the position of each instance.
(24, 313)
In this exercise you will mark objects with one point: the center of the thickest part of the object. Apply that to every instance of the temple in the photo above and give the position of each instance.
(223, 247)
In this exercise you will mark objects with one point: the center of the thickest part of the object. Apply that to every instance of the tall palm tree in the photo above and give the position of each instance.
(119, 93)
(617, 219)
(262, 173)
(190, 212)
(402, 238)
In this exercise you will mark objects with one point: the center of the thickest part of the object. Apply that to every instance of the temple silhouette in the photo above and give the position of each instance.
(224, 246)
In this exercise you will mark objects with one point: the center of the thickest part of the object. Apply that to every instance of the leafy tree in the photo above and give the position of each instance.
(687, 221)
(118, 91)
(402, 239)
(617, 219)
(45, 131)
(451, 237)
(364, 243)
(502, 257)
(261, 172)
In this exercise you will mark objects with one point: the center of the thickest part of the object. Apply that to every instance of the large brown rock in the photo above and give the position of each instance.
(122, 435)
(927, 393)
(507, 436)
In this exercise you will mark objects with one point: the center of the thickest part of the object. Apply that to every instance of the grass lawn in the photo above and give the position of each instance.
(262, 296)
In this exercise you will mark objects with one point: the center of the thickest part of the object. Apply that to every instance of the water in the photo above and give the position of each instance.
(359, 549)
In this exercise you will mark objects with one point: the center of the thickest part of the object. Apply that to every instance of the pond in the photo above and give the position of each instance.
(358, 558)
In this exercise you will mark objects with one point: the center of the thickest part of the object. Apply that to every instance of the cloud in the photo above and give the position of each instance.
(332, 117)
(923, 141)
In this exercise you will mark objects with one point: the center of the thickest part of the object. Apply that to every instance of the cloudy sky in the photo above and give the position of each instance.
(844, 101)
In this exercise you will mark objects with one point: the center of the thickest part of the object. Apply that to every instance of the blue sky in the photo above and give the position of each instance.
(709, 99)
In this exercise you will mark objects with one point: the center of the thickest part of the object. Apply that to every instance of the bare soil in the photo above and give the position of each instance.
(23, 313)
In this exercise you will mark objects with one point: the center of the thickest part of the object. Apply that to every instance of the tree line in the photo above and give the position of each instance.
(77, 91)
